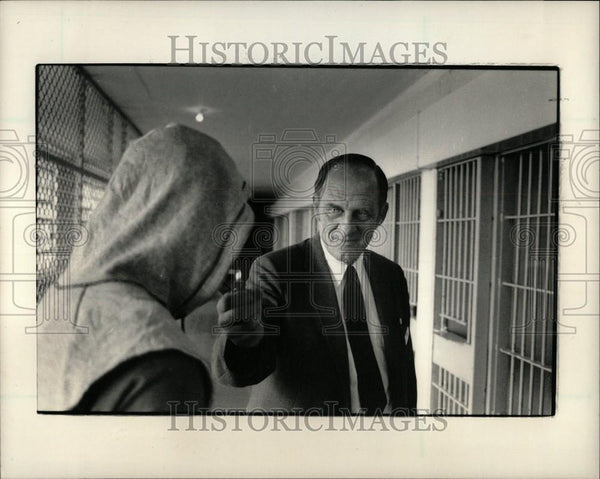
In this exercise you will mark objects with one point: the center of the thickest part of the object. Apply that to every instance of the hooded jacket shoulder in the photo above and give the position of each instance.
(157, 246)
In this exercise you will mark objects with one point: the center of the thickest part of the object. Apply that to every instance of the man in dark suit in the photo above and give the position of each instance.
(324, 323)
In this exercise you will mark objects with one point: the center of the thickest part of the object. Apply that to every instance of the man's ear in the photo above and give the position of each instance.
(383, 212)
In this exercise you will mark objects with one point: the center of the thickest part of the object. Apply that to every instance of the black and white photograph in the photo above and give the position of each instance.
(299, 239)
(290, 239)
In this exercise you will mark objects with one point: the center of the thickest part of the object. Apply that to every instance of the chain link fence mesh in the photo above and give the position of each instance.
(81, 137)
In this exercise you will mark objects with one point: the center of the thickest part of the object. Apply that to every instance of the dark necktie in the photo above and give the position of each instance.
(370, 385)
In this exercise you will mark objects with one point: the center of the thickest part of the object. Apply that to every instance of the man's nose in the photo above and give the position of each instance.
(347, 225)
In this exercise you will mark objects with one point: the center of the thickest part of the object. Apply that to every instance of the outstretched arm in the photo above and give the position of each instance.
(245, 351)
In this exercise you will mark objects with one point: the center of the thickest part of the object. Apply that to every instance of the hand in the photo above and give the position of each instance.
(239, 317)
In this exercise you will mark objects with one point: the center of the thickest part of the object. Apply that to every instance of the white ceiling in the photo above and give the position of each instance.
(242, 103)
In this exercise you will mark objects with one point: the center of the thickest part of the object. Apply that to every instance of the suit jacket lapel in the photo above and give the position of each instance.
(380, 286)
(389, 318)
(326, 304)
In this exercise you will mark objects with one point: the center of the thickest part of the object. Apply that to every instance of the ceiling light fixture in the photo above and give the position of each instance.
(199, 117)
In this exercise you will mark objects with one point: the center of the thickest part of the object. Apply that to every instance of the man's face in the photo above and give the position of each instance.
(348, 212)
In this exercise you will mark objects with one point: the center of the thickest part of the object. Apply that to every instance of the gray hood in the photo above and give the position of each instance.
(173, 210)
(158, 245)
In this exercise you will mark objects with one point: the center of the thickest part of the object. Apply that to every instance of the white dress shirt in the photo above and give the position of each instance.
(338, 268)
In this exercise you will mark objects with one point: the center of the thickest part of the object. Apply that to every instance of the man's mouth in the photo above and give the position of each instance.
(352, 245)
(340, 241)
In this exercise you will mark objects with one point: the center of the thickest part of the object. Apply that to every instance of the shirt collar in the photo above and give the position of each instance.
(337, 267)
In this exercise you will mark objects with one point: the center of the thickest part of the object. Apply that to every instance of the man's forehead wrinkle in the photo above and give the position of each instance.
(335, 192)
(343, 195)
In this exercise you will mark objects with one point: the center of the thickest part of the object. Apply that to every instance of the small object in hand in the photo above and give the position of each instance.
(233, 281)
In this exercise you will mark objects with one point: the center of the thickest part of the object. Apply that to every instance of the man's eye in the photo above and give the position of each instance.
(333, 210)
(363, 216)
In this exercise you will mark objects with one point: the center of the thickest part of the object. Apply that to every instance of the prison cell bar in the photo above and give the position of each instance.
(408, 195)
(452, 392)
(535, 293)
(546, 286)
(514, 297)
(531, 294)
(525, 281)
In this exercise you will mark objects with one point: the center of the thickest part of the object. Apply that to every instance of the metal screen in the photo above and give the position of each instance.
(524, 342)
(383, 239)
(450, 394)
(406, 234)
(80, 139)
(457, 226)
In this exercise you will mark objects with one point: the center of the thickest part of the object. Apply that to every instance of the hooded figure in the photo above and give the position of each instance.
(158, 245)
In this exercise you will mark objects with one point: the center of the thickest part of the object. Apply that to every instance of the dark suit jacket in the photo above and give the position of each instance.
(302, 360)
